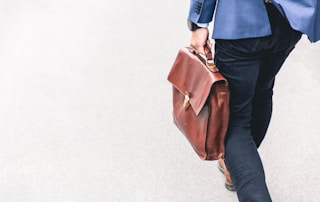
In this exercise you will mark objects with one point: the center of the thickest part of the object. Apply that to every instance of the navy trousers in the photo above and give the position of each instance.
(250, 65)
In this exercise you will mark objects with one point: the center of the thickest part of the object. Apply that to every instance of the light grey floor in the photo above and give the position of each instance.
(85, 108)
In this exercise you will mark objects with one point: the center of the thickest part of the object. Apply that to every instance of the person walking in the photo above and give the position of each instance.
(253, 38)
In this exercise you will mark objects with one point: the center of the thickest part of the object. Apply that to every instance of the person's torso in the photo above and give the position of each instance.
(241, 19)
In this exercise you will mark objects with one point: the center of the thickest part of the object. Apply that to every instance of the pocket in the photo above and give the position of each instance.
(244, 46)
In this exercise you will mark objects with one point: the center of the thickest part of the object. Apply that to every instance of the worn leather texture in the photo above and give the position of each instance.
(204, 120)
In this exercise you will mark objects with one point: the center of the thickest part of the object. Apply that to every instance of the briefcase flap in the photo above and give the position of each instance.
(191, 77)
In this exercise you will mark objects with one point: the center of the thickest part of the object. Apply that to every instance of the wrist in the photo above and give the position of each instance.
(194, 26)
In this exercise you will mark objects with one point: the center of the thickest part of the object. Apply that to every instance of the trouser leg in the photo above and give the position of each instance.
(245, 166)
(240, 63)
(262, 100)
(281, 43)
(250, 65)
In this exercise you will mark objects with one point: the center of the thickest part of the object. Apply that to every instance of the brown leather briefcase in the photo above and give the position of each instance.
(200, 102)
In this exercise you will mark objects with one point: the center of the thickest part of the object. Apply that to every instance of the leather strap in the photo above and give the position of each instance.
(206, 58)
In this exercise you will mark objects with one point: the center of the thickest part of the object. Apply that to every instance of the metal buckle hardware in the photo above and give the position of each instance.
(186, 102)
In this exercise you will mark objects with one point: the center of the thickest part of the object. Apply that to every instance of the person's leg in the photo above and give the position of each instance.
(240, 61)
(250, 65)
(283, 42)
(262, 101)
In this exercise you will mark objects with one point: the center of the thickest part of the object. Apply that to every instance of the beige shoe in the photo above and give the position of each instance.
(222, 167)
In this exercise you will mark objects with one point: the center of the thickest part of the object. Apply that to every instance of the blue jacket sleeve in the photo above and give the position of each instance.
(201, 11)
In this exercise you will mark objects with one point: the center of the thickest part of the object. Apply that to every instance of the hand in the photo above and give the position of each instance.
(200, 39)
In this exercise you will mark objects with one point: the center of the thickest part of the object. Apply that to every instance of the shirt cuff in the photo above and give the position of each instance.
(202, 25)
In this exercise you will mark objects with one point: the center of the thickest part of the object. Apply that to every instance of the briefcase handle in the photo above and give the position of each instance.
(206, 58)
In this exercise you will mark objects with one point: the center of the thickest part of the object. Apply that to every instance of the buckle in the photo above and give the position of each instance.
(186, 102)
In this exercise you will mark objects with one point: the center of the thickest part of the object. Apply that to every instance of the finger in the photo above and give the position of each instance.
(198, 48)
(209, 44)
